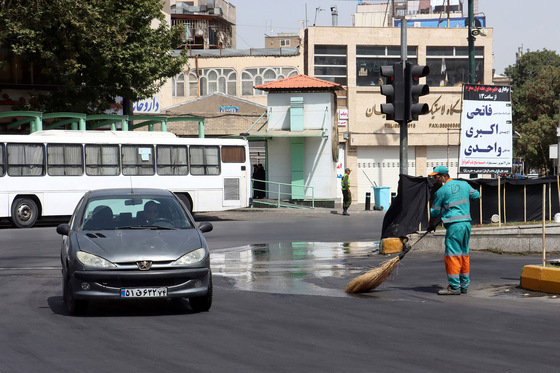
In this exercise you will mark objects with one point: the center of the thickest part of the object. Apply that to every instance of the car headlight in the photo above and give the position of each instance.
(91, 260)
(193, 257)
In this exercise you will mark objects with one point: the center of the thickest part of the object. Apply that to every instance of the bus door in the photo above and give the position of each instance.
(236, 175)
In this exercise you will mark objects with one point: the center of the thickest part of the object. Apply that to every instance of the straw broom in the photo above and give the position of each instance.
(375, 277)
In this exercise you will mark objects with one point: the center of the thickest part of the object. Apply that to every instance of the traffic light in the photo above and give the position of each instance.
(414, 90)
(393, 91)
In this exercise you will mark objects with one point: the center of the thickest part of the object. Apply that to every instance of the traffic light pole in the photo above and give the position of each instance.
(471, 43)
(403, 125)
(402, 89)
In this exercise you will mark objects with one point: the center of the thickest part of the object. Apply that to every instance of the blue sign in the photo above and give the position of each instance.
(228, 109)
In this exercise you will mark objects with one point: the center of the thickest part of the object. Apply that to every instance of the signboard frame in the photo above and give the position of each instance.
(486, 130)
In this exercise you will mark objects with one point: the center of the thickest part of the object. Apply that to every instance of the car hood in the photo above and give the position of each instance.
(142, 244)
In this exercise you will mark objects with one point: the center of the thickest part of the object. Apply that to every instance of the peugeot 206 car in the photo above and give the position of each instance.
(135, 244)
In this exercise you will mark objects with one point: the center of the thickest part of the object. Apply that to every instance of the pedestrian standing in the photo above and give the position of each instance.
(452, 204)
(255, 181)
(346, 195)
(260, 176)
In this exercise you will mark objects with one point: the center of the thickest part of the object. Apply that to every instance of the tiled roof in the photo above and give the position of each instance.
(300, 82)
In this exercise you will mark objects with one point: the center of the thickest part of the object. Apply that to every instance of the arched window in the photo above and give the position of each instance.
(260, 75)
(223, 80)
(178, 85)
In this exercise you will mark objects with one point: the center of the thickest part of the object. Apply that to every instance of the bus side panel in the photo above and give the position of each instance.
(4, 205)
(61, 202)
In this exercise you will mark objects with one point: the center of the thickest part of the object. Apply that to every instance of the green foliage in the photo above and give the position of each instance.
(92, 51)
(535, 93)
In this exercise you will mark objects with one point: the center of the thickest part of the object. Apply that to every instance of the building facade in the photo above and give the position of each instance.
(372, 143)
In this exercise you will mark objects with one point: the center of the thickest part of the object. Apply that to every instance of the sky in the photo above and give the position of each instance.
(518, 24)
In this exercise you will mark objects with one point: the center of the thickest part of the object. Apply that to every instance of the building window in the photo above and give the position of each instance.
(330, 63)
(449, 66)
(285, 42)
(369, 60)
(178, 83)
(213, 80)
(261, 75)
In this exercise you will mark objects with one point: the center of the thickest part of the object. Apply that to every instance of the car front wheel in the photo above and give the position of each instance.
(203, 304)
(73, 305)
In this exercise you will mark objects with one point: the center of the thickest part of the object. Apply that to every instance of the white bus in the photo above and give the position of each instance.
(47, 172)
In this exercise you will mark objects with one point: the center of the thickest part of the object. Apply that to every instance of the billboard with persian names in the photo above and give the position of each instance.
(486, 130)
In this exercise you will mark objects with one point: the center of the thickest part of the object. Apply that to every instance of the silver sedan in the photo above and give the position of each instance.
(134, 244)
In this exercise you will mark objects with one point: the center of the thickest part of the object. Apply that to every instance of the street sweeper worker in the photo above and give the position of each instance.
(346, 195)
(452, 204)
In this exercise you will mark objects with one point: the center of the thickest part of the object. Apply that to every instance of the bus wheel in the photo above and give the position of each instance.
(24, 212)
(185, 199)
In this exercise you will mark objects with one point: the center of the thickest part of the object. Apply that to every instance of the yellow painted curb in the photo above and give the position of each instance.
(539, 278)
(391, 245)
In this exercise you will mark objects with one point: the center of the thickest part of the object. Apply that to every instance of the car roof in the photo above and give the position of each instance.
(111, 192)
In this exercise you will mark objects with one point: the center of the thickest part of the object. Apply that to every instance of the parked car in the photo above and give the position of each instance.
(137, 244)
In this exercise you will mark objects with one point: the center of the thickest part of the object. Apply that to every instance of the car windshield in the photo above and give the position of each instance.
(134, 212)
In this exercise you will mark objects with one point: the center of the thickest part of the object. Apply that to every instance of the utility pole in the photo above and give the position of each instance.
(471, 39)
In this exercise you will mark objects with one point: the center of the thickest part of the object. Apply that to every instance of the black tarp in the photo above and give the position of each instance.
(521, 200)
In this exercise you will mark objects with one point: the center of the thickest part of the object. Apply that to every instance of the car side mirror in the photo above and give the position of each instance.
(63, 229)
(205, 227)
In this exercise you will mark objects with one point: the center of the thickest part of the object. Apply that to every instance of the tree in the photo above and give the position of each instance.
(89, 52)
(535, 93)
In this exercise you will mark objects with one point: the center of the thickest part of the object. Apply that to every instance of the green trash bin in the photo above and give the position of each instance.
(382, 197)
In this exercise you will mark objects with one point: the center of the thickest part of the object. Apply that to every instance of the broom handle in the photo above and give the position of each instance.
(401, 255)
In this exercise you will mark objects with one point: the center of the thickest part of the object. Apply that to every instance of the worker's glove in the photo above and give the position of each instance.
(431, 228)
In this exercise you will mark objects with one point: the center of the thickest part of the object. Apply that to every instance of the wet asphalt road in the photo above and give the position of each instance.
(281, 307)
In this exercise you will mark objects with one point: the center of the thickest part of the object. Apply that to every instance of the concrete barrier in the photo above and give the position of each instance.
(507, 239)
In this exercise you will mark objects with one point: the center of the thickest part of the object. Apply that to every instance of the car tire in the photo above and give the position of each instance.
(24, 212)
(203, 304)
(73, 305)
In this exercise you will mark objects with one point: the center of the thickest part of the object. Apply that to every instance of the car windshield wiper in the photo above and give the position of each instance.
(158, 227)
(145, 227)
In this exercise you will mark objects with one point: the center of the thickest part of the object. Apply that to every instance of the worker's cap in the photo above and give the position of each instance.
(439, 170)
(347, 169)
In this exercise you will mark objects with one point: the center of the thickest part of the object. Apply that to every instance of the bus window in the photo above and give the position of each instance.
(102, 160)
(64, 159)
(233, 154)
(2, 168)
(204, 160)
(138, 160)
(26, 159)
(172, 160)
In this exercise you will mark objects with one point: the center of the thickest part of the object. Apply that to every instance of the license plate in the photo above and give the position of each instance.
(144, 293)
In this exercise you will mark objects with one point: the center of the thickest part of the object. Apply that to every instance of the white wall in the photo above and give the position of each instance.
(381, 165)
(319, 167)
(314, 105)
(449, 157)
